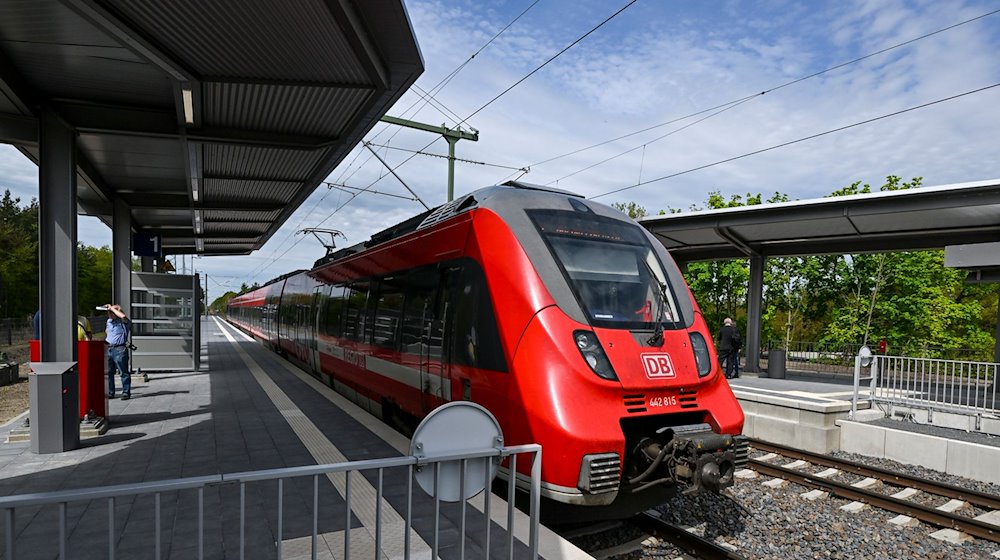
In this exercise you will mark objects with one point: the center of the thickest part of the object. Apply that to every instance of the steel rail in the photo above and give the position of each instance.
(976, 498)
(918, 511)
(683, 539)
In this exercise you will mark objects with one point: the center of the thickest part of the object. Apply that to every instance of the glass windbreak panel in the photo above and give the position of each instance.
(613, 271)
(162, 313)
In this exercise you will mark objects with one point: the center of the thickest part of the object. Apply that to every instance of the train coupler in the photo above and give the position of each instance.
(692, 456)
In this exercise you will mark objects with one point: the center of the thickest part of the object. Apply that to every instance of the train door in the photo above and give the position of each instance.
(435, 374)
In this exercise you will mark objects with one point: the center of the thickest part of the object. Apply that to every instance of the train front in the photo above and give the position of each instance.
(619, 379)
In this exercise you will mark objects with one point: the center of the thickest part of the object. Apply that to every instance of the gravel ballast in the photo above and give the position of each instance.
(778, 524)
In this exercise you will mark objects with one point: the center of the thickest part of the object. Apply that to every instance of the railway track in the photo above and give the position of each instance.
(688, 542)
(652, 525)
(938, 516)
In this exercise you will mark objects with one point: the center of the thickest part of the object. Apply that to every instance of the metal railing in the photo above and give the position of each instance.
(15, 331)
(341, 474)
(839, 358)
(950, 386)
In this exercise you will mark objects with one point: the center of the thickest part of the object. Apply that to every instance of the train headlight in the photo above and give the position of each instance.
(593, 354)
(701, 356)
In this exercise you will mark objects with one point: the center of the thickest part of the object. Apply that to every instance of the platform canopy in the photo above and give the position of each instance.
(212, 119)
(906, 220)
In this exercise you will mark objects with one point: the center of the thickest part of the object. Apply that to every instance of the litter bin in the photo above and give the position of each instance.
(55, 426)
(776, 363)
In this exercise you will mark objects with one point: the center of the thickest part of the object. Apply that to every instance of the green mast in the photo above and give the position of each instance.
(450, 135)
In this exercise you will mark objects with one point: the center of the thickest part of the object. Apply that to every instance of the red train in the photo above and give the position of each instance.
(562, 316)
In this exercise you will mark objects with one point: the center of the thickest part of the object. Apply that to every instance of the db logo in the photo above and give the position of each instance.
(658, 365)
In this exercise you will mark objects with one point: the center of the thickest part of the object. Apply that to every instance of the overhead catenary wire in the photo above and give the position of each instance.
(445, 156)
(553, 57)
(447, 79)
(657, 139)
(515, 84)
(396, 175)
(431, 93)
(351, 190)
(803, 139)
(344, 176)
(769, 90)
(433, 102)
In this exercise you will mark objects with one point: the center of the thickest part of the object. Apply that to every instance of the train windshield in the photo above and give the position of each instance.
(614, 272)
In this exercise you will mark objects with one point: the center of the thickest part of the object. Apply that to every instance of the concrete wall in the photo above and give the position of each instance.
(960, 458)
(806, 425)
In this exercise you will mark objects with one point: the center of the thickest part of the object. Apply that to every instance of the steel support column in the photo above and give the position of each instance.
(755, 295)
(147, 264)
(57, 238)
(121, 246)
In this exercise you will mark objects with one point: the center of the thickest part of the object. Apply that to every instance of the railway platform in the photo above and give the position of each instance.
(247, 410)
(811, 411)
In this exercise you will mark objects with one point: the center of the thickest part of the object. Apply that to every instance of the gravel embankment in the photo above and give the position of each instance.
(765, 523)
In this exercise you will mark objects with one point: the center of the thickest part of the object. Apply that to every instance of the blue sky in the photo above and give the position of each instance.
(655, 62)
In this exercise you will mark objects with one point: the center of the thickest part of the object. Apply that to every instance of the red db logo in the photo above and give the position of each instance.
(658, 365)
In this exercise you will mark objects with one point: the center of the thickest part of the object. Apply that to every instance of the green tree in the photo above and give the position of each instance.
(94, 277)
(18, 257)
(19, 263)
(220, 303)
(630, 209)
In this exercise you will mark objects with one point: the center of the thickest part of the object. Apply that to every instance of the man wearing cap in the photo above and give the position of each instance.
(117, 340)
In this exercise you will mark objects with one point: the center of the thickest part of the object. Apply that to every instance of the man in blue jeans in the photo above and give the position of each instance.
(117, 341)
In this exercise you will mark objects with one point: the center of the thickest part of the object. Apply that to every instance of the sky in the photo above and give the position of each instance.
(726, 76)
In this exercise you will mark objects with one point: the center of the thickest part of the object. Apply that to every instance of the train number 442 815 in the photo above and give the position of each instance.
(662, 401)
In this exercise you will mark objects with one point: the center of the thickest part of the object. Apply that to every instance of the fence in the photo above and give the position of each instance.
(342, 475)
(950, 386)
(15, 331)
(839, 358)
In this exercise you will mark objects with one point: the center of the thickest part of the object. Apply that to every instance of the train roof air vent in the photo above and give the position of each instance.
(448, 210)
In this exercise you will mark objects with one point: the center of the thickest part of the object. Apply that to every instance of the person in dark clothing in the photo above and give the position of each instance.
(729, 348)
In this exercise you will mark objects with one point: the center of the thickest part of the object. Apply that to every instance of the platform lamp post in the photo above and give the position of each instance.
(452, 136)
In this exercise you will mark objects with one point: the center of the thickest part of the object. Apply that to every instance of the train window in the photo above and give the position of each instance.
(388, 311)
(612, 269)
(332, 319)
(475, 340)
(354, 316)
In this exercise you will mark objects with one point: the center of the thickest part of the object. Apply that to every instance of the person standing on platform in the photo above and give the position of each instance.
(117, 339)
(729, 348)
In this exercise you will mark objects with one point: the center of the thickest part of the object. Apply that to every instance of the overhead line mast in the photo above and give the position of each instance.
(452, 136)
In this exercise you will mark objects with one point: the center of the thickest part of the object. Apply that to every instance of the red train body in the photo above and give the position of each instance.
(563, 317)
